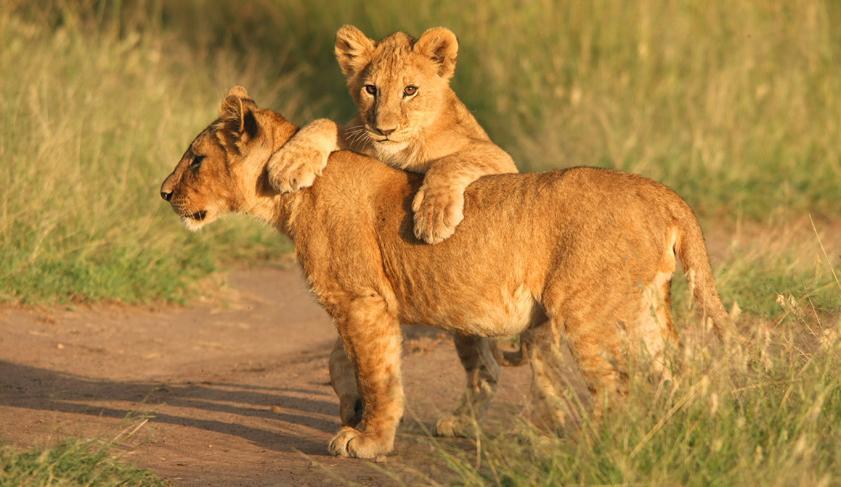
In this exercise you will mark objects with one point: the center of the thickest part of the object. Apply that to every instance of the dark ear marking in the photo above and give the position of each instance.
(237, 122)
(249, 124)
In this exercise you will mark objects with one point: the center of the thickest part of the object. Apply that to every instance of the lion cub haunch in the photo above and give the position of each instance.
(585, 254)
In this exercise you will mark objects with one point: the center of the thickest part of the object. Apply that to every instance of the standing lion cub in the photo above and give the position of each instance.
(582, 257)
(410, 118)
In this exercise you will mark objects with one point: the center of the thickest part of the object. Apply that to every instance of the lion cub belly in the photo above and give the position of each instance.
(501, 312)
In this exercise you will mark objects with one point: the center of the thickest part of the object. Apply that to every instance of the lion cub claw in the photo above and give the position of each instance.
(352, 443)
(295, 166)
(438, 211)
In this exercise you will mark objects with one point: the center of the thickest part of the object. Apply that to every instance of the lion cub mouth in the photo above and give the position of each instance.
(196, 220)
(199, 215)
(390, 145)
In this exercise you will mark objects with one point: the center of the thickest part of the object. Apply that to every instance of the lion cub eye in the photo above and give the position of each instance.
(371, 89)
(410, 90)
(196, 164)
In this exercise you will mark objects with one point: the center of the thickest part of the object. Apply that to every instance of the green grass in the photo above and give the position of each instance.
(764, 411)
(93, 122)
(735, 106)
(775, 261)
(70, 463)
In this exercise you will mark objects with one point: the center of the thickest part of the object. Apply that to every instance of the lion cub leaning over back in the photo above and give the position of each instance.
(410, 118)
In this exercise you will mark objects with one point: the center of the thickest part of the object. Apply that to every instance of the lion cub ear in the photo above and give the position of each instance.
(353, 50)
(237, 112)
(440, 45)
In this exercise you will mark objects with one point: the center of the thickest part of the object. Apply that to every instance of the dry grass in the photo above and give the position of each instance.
(765, 411)
(733, 105)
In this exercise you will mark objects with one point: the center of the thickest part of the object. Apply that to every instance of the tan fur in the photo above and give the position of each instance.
(579, 250)
(430, 131)
(434, 133)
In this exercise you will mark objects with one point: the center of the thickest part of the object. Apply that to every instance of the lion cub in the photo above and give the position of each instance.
(410, 118)
(580, 259)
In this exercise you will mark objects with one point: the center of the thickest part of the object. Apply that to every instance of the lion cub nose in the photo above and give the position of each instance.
(385, 132)
(166, 195)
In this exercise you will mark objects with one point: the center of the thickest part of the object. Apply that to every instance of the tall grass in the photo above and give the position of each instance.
(765, 412)
(734, 105)
(92, 122)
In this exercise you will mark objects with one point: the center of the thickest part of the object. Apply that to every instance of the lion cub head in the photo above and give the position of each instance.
(400, 85)
(222, 170)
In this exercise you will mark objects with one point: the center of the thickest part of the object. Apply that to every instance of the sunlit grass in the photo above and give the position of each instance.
(763, 412)
(70, 463)
(759, 265)
(736, 106)
(92, 124)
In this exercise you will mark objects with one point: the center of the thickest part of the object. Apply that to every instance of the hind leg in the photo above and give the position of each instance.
(480, 366)
(551, 388)
(655, 330)
(598, 350)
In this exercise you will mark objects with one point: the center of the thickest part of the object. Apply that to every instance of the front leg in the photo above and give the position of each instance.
(439, 203)
(304, 156)
(372, 339)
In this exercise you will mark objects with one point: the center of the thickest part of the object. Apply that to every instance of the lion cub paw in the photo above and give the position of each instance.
(455, 427)
(350, 442)
(295, 166)
(438, 211)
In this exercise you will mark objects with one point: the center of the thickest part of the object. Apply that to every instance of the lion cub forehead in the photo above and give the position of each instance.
(396, 41)
(398, 62)
(207, 141)
(396, 47)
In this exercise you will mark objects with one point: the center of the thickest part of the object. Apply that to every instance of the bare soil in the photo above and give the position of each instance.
(234, 387)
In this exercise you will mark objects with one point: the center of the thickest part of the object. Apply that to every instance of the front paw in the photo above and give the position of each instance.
(295, 166)
(350, 442)
(437, 213)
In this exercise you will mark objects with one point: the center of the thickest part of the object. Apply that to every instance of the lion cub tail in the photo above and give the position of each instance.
(692, 252)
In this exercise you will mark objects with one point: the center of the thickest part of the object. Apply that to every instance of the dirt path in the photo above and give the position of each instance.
(235, 388)
(234, 395)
